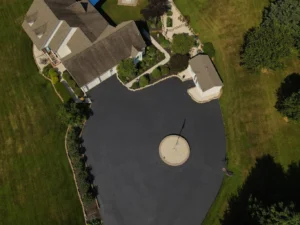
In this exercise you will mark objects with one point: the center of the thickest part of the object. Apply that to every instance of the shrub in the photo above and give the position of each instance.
(156, 74)
(54, 79)
(170, 13)
(209, 49)
(73, 114)
(291, 106)
(95, 222)
(178, 63)
(182, 43)
(164, 70)
(46, 70)
(159, 24)
(144, 81)
(53, 75)
(127, 70)
(78, 92)
(163, 41)
(169, 22)
(135, 85)
(66, 75)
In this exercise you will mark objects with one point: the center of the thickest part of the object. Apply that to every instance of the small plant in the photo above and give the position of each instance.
(95, 222)
(46, 70)
(144, 81)
(156, 74)
(164, 70)
(53, 75)
(169, 22)
(170, 13)
(135, 85)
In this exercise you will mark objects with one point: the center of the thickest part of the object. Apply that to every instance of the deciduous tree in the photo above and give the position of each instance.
(182, 43)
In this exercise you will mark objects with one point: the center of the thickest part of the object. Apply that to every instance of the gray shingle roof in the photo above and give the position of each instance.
(105, 53)
(206, 72)
(79, 14)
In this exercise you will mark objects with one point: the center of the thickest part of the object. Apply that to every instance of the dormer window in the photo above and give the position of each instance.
(30, 19)
(40, 30)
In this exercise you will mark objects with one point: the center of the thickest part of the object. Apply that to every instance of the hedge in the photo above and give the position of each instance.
(169, 22)
(144, 81)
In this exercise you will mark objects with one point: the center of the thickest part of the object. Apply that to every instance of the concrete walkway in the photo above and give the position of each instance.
(179, 26)
(163, 62)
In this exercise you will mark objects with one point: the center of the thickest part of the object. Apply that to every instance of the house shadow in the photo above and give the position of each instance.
(98, 6)
(269, 184)
(290, 85)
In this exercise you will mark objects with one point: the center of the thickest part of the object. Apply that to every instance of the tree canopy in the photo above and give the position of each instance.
(182, 43)
(178, 63)
(276, 214)
(155, 9)
(266, 45)
(127, 70)
(74, 114)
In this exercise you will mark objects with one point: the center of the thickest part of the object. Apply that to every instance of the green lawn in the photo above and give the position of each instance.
(253, 127)
(36, 183)
(123, 13)
(63, 91)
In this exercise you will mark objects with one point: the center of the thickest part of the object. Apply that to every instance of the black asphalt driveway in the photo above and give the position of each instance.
(122, 138)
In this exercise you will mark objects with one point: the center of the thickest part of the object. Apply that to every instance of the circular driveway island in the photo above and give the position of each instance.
(122, 139)
(174, 150)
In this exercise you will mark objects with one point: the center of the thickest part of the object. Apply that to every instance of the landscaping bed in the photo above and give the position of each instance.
(63, 91)
(71, 82)
(128, 71)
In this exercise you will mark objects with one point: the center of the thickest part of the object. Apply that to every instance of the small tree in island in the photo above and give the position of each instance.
(127, 70)
(155, 9)
(182, 43)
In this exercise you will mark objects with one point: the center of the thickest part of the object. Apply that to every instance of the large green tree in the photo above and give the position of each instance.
(291, 106)
(182, 43)
(276, 214)
(74, 114)
(127, 70)
(265, 46)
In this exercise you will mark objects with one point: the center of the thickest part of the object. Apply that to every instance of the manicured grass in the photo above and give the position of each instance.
(123, 13)
(253, 127)
(63, 91)
(36, 183)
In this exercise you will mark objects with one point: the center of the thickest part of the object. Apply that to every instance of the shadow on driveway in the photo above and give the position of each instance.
(122, 139)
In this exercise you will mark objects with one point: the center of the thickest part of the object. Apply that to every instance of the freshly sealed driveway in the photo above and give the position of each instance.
(122, 138)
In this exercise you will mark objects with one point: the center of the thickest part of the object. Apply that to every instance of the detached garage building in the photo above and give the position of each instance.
(208, 84)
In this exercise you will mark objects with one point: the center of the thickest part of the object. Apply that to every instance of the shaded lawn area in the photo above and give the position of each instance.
(253, 127)
(120, 14)
(36, 183)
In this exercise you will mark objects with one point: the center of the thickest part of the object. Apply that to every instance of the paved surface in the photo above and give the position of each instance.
(122, 140)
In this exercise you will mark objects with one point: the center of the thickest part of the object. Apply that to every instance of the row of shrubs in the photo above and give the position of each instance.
(68, 78)
(177, 64)
(83, 174)
(156, 75)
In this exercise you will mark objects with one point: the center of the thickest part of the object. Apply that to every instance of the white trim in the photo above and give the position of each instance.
(63, 47)
(53, 33)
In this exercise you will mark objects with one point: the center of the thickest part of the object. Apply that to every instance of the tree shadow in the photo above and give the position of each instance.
(290, 85)
(267, 182)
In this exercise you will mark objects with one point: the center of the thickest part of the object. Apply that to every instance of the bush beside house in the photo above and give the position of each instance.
(68, 78)
(209, 49)
(53, 76)
(143, 81)
(169, 22)
(127, 70)
(156, 74)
